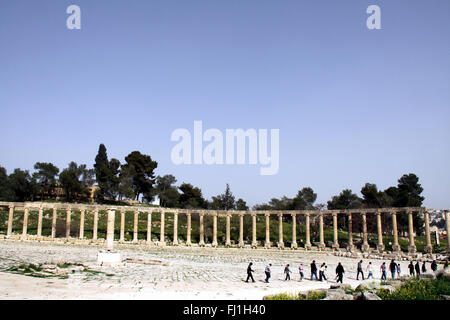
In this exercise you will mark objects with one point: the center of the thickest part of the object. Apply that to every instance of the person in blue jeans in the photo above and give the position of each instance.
(313, 270)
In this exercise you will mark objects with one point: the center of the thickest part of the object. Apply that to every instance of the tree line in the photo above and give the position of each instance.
(135, 180)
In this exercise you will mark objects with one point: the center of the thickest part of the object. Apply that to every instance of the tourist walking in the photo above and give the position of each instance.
(287, 271)
(393, 268)
(324, 272)
(418, 269)
(359, 270)
(340, 272)
(399, 270)
(313, 270)
(369, 270)
(321, 272)
(249, 272)
(300, 270)
(267, 271)
(411, 269)
(383, 271)
(424, 267)
(434, 266)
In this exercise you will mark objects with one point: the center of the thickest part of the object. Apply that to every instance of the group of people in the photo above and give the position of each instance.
(394, 268)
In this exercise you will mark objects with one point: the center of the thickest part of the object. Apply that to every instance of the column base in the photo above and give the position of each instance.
(365, 248)
(396, 248)
(321, 246)
(214, 244)
(254, 245)
(188, 243)
(201, 244)
(228, 244)
(267, 245)
(380, 248)
(335, 246)
(412, 249)
(308, 246)
(294, 245)
(351, 247)
(280, 245)
(175, 243)
(162, 243)
(241, 244)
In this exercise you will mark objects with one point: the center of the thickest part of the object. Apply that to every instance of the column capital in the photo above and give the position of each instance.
(334, 214)
(253, 214)
(228, 214)
(280, 214)
(241, 214)
(11, 206)
(293, 215)
(267, 214)
(307, 214)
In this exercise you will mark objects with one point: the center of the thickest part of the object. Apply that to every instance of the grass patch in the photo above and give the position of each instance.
(418, 290)
(310, 295)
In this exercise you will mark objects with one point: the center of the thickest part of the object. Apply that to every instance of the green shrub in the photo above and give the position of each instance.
(418, 290)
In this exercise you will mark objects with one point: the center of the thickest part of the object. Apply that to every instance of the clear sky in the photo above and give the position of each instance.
(353, 105)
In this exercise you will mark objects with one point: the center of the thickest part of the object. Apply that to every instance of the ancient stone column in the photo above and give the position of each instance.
(122, 226)
(395, 246)
(447, 221)
(68, 214)
(380, 245)
(188, 231)
(95, 227)
(267, 243)
(10, 221)
(82, 223)
(350, 245)
(254, 241)
(55, 213)
(241, 230)
(202, 230)
(175, 228)
(294, 244)
(149, 227)
(280, 231)
(228, 229)
(429, 246)
(136, 226)
(365, 246)
(308, 232)
(25, 223)
(214, 242)
(162, 238)
(335, 245)
(110, 230)
(412, 246)
(321, 239)
(39, 226)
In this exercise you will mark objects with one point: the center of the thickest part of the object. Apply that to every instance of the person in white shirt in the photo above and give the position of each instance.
(369, 270)
(300, 270)
(267, 271)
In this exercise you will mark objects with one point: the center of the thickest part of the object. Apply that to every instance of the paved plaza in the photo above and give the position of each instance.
(176, 272)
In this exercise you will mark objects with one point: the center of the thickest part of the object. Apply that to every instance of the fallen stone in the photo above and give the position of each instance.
(338, 295)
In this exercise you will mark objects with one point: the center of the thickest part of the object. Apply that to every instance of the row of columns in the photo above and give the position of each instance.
(321, 245)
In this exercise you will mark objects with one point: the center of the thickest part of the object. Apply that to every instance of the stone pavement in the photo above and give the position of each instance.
(187, 272)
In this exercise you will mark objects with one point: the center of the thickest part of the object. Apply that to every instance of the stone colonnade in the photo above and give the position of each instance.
(94, 210)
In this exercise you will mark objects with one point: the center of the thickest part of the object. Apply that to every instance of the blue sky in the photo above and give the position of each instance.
(353, 105)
